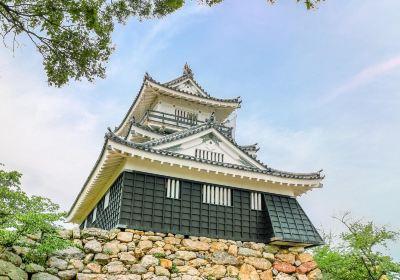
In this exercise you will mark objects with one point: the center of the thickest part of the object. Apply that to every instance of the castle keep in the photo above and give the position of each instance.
(173, 166)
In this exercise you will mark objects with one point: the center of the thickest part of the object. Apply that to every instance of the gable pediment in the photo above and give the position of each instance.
(210, 145)
(188, 85)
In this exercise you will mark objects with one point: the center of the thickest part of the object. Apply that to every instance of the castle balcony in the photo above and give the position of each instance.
(175, 122)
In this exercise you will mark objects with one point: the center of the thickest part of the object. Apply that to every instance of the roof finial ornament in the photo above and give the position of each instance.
(211, 120)
(187, 71)
(147, 76)
(109, 133)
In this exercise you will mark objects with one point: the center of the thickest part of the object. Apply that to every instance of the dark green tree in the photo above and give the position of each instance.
(74, 36)
(358, 255)
(29, 222)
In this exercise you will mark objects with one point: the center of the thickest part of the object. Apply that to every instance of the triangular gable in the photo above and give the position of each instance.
(209, 144)
(150, 90)
(190, 86)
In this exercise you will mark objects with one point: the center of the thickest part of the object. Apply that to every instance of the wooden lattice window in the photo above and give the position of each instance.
(217, 195)
(94, 214)
(204, 154)
(255, 201)
(106, 199)
(185, 117)
(173, 188)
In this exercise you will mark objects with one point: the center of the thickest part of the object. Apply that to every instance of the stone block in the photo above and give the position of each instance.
(195, 245)
(125, 236)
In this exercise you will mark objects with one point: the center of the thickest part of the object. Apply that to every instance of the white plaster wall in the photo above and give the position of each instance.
(168, 105)
(189, 148)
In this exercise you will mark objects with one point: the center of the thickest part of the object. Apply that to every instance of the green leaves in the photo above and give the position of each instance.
(165, 7)
(74, 36)
(358, 256)
(28, 221)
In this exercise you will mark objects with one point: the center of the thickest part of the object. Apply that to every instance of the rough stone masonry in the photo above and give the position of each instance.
(136, 255)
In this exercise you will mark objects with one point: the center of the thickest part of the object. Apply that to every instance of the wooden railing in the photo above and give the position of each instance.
(171, 119)
(177, 120)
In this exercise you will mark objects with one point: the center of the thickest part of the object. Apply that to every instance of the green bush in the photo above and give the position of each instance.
(27, 221)
(358, 254)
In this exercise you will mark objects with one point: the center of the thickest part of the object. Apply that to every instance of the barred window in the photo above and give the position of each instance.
(255, 201)
(214, 156)
(217, 195)
(185, 117)
(173, 188)
(106, 199)
(94, 214)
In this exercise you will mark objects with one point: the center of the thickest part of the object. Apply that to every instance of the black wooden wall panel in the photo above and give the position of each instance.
(145, 206)
(139, 201)
(108, 218)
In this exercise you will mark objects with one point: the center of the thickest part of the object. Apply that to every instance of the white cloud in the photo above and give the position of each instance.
(137, 53)
(53, 136)
(363, 77)
(47, 133)
(360, 164)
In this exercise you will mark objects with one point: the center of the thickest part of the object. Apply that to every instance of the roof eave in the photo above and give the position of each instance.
(305, 184)
(149, 81)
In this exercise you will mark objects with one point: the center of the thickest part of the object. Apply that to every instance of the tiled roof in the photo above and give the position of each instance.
(187, 74)
(147, 146)
(231, 100)
(289, 221)
(149, 78)
(250, 147)
(149, 129)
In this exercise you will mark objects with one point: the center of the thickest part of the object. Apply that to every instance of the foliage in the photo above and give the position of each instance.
(74, 36)
(159, 255)
(108, 251)
(358, 255)
(174, 268)
(28, 221)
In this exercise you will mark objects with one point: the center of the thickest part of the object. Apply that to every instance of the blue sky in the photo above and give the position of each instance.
(320, 89)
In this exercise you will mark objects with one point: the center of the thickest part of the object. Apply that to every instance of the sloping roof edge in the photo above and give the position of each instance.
(103, 149)
(142, 146)
(148, 78)
(270, 171)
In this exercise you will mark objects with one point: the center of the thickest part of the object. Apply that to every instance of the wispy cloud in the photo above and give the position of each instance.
(364, 77)
(158, 35)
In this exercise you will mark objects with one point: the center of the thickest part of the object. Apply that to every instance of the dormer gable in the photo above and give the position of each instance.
(182, 90)
(187, 83)
(208, 143)
(190, 87)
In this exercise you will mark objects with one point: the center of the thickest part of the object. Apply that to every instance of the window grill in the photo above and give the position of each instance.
(106, 199)
(185, 117)
(173, 188)
(255, 201)
(94, 214)
(214, 156)
(106, 217)
(217, 195)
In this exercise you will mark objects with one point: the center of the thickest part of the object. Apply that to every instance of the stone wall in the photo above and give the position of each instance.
(136, 255)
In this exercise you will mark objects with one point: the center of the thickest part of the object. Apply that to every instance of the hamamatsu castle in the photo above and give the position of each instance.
(173, 166)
